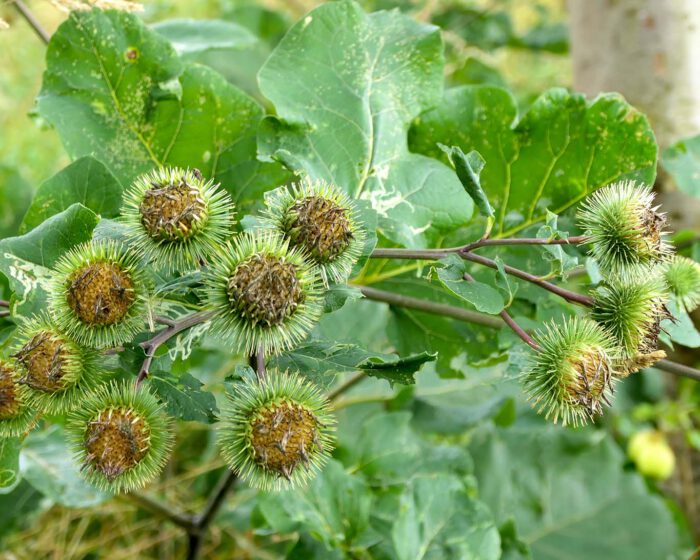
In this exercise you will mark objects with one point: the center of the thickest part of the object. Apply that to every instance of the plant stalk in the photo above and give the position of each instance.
(174, 327)
(30, 18)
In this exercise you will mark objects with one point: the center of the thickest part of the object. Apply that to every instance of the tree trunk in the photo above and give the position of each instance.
(648, 50)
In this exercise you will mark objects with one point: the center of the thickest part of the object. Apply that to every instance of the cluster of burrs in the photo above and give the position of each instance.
(264, 290)
(574, 372)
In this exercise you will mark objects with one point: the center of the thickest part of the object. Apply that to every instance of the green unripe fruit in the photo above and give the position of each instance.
(99, 294)
(15, 416)
(321, 221)
(623, 226)
(682, 276)
(278, 433)
(176, 218)
(121, 437)
(264, 294)
(631, 307)
(55, 372)
(652, 454)
(570, 378)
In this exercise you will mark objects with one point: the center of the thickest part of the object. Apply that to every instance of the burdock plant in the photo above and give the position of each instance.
(99, 295)
(176, 218)
(631, 307)
(322, 221)
(54, 370)
(121, 437)
(265, 295)
(624, 227)
(277, 433)
(15, 416)
(682, 276)
(572, 375)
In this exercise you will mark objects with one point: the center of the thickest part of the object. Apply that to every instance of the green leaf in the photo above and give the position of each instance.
(117, 90)
(346, 85)
(183, 397)
(682, 161)
(385, 448)
(560, 151)
(468, 168)
(9, 461)
(480, 295)
(86, 181)
(336, 296)
(321, 360)
(46, 463)
(335, 508)
(25, 260)
(17, 506)
(561, 261)
(681, 329)
(45, 244)
(438, 519)
(457, 343)
(197, 36)
(15, 197)
(570, 496)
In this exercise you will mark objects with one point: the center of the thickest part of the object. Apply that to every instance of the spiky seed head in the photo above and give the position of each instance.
(572, 376)
(278, 433)
(322, 221)
(16, 417)
(121, 437)
(682, 275)
(99, 294)
(264, 293)
(55, 371)
(624, 227)
(176, 218)
(630, 307)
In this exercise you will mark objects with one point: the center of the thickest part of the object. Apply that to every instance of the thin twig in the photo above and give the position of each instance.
(677, 369)
(351, 382)
(463, 315)
(4, 313)
(152, 344)
(203, 520)
(568, 295)
(4, 303)
(32, 21)
(436, 254)
(575, 240)
(431, 307)
(508, 320)
(164, 511)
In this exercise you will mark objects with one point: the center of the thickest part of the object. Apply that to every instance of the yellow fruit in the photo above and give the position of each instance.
(652, 454)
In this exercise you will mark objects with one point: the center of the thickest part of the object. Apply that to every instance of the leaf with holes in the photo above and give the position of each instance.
(133, 104)
(562, 149)
(346, 86)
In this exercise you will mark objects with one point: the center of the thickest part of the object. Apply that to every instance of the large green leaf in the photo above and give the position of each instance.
(183, 397)
(335, 508)
(47, 464)
(86, 181)
(346, 85)
(561, 150)
(321, 360)
(682, 161)
(196, 36)
(117, 90)
(9, 461)
(26, 260)
(15, 196)
(570, 496)
(437, 519)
